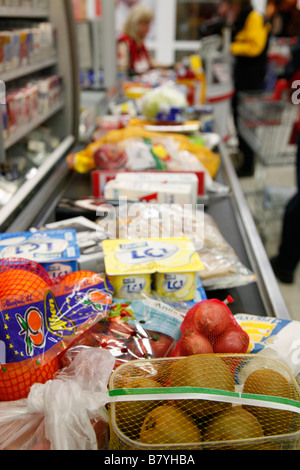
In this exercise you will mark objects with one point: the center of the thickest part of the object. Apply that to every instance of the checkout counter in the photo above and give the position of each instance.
(231, 213)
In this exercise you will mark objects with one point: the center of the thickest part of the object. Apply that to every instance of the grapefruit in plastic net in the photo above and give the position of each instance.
(81, 279)
(19, 277)
(17, 378)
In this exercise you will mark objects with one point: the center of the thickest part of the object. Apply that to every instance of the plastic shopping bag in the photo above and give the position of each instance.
(67, 413)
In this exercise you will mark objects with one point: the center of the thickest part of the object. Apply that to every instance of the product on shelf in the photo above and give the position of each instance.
(27, 46)
(37, 97)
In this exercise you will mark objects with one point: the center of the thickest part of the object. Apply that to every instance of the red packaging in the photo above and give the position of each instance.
(210, 327)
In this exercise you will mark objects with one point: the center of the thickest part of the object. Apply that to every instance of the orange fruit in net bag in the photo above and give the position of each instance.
(18, 282)
(82, 280)
(17, 378)
(67, 282)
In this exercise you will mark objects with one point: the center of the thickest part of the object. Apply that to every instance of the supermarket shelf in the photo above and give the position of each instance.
(24, 130)
(27, 188)
(27, 70)
(16, 12)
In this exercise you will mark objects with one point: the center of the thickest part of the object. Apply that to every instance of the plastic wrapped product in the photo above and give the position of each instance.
(40, 318)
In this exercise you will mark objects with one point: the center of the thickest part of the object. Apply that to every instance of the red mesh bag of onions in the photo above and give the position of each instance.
(210, 327)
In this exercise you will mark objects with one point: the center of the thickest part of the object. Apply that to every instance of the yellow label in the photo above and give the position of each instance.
(150, 255)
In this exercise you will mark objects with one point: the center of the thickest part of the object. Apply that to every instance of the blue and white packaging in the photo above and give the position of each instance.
(56, 250)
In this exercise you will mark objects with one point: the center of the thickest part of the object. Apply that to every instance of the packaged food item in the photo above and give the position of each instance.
(134, 329)
(148, 256)
(176, 286)
(101, 177)
(204, 402)
(222, 267)
(128, 287)
(210, 327)
(40, 318)
(150, 191)
(192, 79)
(89, 238)
(273, 337)
(56, 250)
(179, 151)
(152, 178)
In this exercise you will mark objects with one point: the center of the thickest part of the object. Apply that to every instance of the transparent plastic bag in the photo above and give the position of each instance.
(67, 413)
(134, 329)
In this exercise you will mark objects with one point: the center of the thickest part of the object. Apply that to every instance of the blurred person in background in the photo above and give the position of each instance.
(288, 257)
(283, 17)
(133, 56)
(249, 45)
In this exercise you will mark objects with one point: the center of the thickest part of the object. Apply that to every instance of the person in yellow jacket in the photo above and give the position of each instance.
(250, 39)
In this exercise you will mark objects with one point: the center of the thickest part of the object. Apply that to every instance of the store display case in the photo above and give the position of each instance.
(29, 66)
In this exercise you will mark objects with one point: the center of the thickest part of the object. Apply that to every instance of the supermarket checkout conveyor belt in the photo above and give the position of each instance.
(230, 212)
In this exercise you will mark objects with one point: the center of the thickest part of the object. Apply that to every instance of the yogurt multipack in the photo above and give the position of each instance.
(166, 267)
(56, 250)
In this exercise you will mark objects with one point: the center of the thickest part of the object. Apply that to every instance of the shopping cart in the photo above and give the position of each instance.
(267, 126)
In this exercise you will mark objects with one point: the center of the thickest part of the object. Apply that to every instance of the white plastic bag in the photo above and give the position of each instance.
(63, 413)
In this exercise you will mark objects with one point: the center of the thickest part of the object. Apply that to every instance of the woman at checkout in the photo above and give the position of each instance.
(133, 57)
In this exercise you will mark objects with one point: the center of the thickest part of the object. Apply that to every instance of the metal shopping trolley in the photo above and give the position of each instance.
(267, 125)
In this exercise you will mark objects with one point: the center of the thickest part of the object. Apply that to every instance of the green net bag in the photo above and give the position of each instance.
(206, 401)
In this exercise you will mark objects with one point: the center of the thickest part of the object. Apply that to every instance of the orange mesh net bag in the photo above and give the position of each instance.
(206, 401)
(20, 281)
(39, 319)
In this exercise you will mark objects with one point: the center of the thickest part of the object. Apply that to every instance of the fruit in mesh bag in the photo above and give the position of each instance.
(19, 278)
(272, 383)
(203, 371)
(209, 327)
(233, 424)
(193, 342)
(234, 340)
(212, 317)
(167, 424)
(130, 415)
